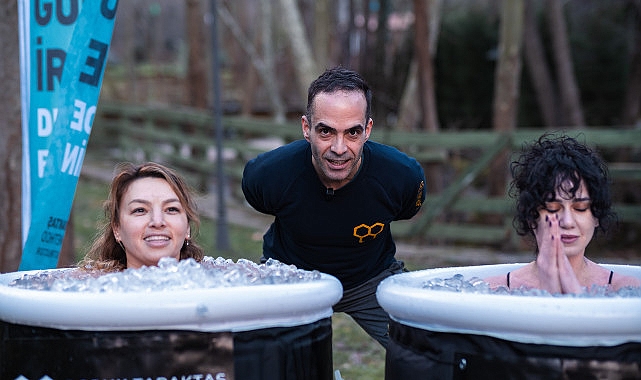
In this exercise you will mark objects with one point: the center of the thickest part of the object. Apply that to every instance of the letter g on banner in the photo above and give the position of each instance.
(108, 12)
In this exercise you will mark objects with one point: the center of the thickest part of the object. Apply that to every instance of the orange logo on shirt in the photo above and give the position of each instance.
(362, 231)
(419, 196)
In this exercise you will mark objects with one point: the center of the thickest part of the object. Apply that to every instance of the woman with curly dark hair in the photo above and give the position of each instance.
(562, 199)
(150, 213)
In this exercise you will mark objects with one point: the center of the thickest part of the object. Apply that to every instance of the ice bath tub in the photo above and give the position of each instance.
(278, 331)
(438, 334)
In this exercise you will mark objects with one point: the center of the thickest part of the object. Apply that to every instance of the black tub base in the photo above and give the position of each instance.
(420, 354)
(300, 352)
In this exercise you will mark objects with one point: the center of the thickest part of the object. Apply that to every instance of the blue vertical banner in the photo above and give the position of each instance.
(64, 47)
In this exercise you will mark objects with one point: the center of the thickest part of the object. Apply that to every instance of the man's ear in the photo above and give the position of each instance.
(305, 127)
(368, 128)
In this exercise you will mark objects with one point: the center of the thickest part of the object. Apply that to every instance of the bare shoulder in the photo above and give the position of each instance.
(502, 279)
(519, 277)
(620, 281)
(497, 281)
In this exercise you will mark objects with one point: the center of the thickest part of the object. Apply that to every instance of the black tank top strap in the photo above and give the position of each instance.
(508, 279)
(610, 279)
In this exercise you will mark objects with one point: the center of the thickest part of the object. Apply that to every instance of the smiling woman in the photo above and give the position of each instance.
(150, 214)
(152, 224)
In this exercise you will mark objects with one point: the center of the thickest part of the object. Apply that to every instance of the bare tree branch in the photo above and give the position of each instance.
(301, 47)
(263, 66)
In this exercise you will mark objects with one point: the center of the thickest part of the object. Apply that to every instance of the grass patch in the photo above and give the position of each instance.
(87, 213)
(355, 354)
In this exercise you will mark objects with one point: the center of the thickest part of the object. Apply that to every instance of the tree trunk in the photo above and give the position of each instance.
(382, 40)
(506, 84)
(565, 72)
(425, 69)
(322, 31)
(303, 58)
(632, 102)
(364, 52)
(197, 80)
(268, 54)
(67, 256)
(409, 115)
(249, 88)
(354, 38)
(426, 86)
(508, 69)
(10, 139)
(128, 22)
(244, 70)
(538, 68)
(343, 31)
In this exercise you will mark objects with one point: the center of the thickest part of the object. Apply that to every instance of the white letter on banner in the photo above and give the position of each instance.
(45, 121)
(42, 162)
(91, 112)
(78, 114)
(81, 157)
(70, 158)
(83, 116)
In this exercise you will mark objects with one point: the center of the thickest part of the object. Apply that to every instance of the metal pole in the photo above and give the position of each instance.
(222, 232)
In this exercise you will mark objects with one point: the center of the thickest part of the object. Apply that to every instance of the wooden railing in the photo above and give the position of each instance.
(184, 139)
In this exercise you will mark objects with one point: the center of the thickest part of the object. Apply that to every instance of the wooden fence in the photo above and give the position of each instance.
(185, 139)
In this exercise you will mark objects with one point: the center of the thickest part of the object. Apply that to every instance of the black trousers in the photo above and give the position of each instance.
(360, 303)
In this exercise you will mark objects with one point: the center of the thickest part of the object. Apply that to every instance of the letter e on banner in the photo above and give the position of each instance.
(82, 117)
(96, 63)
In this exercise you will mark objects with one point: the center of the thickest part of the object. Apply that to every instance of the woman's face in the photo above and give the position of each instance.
(153, 223)
(576, 221)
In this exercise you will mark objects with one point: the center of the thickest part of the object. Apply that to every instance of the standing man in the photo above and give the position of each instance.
(334, 195)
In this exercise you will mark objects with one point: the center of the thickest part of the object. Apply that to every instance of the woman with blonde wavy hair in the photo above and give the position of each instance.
(150, 213)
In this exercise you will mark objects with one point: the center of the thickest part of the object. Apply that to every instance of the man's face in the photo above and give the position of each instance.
(337, 135)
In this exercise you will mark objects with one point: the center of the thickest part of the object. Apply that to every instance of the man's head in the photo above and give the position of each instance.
(336, 79)
(337, 125)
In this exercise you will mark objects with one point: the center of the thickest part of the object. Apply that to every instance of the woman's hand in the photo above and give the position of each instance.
(554, 270)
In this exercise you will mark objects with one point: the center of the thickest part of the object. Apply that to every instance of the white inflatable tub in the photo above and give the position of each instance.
(573, 321)
(234, 308)
(452, 334)
(275, 331)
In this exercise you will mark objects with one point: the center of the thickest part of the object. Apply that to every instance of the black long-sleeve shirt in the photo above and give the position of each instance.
(346, 234)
